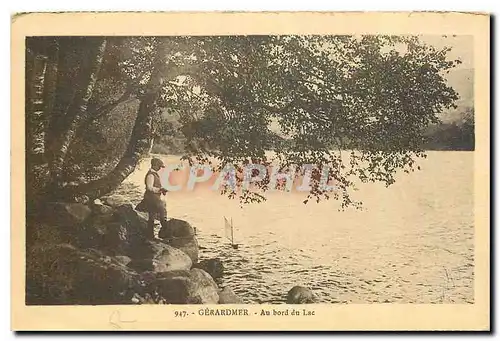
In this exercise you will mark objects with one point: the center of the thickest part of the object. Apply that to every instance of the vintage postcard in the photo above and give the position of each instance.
(250, 171)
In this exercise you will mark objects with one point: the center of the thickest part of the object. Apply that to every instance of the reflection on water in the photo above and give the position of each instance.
(413, 243)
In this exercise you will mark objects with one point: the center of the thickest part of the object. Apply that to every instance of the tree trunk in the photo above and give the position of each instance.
(77, 110)
(50, 85)
(151, 144)
(34, 110)
(64, 93)
(36, 170)
(139, 141)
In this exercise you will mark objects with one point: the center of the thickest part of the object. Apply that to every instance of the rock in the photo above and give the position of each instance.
(102, 234)
(102, 209)
(134, 223)
(63, 274)
(227, 296)
(66, 214)
(125, 260)
(127, 215)
(149, 299)
(78, 225)
(100, 255)
(170, 259)
(144, 216)
(61, 223)
(117, 231)
(300, 295)
(50, 234)
(148, 278)
(189, 245)
(187, 287)
(82, 199)
(111, 237)
(147, 249)
(180, 234)
(159, 257)
(214, 267)
(115, 201)
(178, 228)
(141, 265)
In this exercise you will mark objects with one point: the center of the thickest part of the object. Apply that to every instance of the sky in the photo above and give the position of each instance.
(462, 47)
(461, 78)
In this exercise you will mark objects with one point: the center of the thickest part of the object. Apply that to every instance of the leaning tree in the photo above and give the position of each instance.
(355, 104)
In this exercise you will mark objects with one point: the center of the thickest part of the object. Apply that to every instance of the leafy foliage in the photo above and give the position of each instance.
(326, 95)
(355, 104)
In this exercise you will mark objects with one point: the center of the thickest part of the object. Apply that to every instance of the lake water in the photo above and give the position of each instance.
(412, 243)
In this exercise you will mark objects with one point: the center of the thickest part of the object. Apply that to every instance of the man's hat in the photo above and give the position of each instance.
(155, 162)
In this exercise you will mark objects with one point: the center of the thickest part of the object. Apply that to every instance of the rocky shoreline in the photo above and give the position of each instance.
(99, 254)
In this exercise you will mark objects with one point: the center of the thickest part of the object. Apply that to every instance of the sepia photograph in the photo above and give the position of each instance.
(247, 170)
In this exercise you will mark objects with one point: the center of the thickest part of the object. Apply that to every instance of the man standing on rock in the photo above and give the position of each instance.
(152, 202)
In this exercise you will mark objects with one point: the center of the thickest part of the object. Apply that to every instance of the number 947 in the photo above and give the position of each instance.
(180, 313)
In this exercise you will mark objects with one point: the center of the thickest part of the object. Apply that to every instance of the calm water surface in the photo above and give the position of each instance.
(412, 243)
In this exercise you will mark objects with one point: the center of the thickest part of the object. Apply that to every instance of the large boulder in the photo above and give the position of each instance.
(125, 260)
(60, 222)
(50, 234)
(99, 208)
(65, 214)
(180, 234)
(300, 295)
(116, 231)
(187, 287)
(100, 231)
(115, 201)
(63, 274)
(176, 228)
(159, 257)
(188, 245)
(131, 218)
(170, 259)
(227, 296)
(213, 267)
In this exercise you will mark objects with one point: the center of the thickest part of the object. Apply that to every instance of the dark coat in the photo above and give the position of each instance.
(151, 202)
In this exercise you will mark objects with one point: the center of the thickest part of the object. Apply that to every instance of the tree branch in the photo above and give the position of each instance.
(107, 108)
(139, 142)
